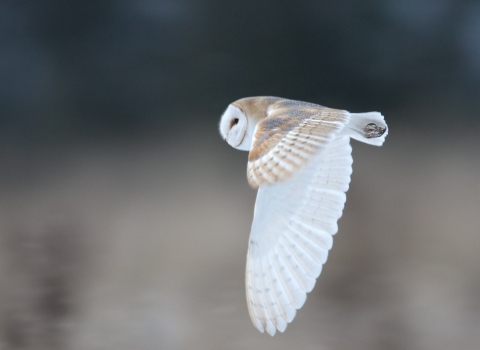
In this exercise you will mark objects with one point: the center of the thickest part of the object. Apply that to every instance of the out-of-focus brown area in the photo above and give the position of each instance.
(124, 217)
(143, 246)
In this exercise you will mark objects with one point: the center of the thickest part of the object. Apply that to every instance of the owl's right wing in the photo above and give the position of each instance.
(291, 235)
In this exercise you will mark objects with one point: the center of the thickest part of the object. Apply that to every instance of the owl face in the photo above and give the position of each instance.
(236, 128)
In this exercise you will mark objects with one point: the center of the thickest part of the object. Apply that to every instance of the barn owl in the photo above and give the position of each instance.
(300, 161)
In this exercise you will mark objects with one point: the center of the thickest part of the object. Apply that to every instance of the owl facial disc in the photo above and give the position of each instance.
(233, 128)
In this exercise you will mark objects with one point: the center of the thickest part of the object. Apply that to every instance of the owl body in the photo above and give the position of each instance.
(300, 162)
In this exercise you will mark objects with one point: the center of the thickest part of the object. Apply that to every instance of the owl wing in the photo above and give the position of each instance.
(292, 233)
(287, 138)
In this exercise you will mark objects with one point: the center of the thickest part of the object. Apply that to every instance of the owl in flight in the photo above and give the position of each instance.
(300, 161)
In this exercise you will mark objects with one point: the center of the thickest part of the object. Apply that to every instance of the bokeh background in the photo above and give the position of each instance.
(124, 217)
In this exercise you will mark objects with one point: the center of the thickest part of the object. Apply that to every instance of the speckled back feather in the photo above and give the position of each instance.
(287, 138)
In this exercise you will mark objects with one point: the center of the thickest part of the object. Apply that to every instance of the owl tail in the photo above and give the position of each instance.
(367, 127)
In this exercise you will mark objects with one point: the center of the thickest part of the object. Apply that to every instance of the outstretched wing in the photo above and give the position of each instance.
(288, 137)
(292, 233)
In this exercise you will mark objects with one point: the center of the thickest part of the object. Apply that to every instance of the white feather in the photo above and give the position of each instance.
(291, 234)
(358, 121)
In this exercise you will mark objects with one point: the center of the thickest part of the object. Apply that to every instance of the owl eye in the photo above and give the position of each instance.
(233, 122)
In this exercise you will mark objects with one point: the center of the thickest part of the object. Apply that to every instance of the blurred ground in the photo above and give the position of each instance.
(144, 246)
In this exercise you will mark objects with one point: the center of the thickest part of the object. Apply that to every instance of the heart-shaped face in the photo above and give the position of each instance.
(234, 128)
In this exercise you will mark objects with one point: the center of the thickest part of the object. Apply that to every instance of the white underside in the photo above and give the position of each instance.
(292, 233)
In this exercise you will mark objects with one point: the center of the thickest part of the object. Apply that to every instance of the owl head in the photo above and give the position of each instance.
(236, 128)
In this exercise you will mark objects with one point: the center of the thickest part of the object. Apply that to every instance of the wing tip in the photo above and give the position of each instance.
(271, 328)
(369, 127)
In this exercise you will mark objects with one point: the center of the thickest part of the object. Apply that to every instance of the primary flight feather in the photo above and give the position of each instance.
(300, 161)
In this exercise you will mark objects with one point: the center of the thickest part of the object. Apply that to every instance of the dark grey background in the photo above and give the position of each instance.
(124, 216)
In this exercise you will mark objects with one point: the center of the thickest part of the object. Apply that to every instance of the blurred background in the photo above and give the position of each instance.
(124, 217)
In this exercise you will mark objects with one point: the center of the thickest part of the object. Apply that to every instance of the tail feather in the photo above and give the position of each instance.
(367, 127)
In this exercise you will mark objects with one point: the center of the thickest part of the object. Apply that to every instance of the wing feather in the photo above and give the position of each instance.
(285, 295)
(292, 233)
(273, 310)
(265, 306)
(288, 137)
(282, 302)
(311, 267)
(253, 294)
(297, 294)
(298, 273)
